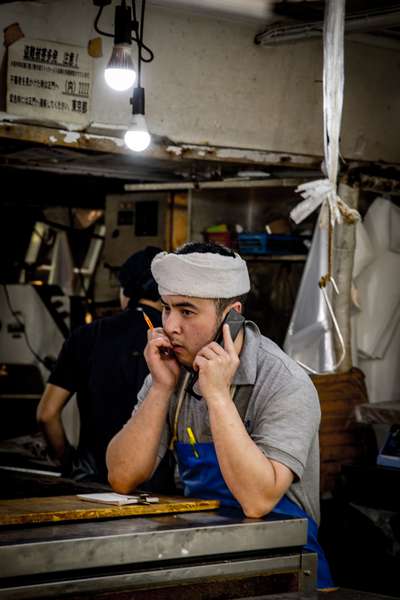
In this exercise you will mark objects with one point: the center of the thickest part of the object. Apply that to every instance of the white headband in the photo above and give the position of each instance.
(200, 275)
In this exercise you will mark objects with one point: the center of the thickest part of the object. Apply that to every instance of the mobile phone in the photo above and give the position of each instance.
(235, 320)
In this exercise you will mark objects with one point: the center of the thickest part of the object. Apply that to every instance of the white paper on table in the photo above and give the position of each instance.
(117, 499)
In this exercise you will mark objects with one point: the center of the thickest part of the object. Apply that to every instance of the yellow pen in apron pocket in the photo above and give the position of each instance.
(192, 441)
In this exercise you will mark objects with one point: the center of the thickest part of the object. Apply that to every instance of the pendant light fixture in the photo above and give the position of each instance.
(120, 73)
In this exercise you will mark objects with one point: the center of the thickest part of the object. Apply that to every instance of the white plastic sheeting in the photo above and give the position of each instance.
(377, 324)
(382, 375)
(379, 294)
(309, 337)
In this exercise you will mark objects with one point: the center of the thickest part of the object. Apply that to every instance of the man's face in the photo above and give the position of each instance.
(190, 324)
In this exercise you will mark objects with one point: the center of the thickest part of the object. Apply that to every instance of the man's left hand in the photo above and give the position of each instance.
(216, 367)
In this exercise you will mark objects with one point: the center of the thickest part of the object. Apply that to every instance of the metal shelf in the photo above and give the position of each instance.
(275, 257)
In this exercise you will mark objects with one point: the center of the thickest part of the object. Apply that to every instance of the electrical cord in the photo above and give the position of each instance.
(137, 40)
(46, 362)
(96, 22)
(140, 42)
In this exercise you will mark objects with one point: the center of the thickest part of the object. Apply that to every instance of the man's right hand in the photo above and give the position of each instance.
(162, 363)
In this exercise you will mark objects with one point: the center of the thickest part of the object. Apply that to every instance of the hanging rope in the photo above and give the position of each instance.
(323, 192)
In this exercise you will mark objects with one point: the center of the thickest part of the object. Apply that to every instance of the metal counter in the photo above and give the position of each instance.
(138, 553)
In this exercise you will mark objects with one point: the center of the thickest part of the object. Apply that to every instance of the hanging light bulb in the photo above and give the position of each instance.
(120, 74)
(137, 137)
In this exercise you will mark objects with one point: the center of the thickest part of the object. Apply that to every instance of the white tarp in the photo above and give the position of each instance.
(377, 323)
(309, 336)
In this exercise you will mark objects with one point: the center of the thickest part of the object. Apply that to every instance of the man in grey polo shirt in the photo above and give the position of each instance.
(247, 434)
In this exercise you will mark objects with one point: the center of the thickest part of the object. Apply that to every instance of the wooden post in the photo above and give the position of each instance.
(343, 258)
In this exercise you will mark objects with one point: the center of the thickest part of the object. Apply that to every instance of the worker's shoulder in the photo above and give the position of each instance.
(124, 329)
(100, 327)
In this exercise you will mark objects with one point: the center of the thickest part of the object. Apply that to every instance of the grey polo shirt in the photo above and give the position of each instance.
(279, 406)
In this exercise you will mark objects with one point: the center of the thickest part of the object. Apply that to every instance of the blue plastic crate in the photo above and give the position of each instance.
(271, 243)
(252, 243)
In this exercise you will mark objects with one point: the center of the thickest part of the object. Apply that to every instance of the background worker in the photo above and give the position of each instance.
(251, 440)
(104, 364)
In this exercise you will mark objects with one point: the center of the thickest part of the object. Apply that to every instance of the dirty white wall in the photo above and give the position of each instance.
(210, 84)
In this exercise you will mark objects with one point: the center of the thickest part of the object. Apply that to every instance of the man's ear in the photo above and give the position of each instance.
(238, 306)
(123, 300)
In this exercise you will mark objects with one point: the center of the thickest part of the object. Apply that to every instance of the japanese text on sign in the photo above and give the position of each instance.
(47, 80)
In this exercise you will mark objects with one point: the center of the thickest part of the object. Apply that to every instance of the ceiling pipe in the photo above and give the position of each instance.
(364, 21)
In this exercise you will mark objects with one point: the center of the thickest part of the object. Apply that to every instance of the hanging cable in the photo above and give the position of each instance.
(96, 22)
(142, 45)
(140, 42)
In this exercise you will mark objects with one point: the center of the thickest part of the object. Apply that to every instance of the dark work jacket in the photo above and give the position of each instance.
(104, 364)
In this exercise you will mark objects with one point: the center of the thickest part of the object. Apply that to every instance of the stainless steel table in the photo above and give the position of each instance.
(168, 552)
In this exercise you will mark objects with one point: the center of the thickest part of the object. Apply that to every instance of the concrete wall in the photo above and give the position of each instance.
(210, 84)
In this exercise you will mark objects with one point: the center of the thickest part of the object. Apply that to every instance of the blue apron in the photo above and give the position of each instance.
(202, 478)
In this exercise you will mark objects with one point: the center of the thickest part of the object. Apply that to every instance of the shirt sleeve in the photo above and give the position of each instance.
(166, 434)
(72, 364)
(285, 426)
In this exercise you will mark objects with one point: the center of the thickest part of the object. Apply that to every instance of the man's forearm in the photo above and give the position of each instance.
(132, 453)
(54, 433)
(48, 415)
(250, 476)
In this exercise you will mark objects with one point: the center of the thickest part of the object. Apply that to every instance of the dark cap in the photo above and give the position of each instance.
(135, 275)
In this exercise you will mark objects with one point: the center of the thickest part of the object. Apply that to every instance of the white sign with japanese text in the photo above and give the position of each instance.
(48, 80)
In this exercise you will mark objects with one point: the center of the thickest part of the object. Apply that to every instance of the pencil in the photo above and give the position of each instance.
(163, 351)
(147, 319)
